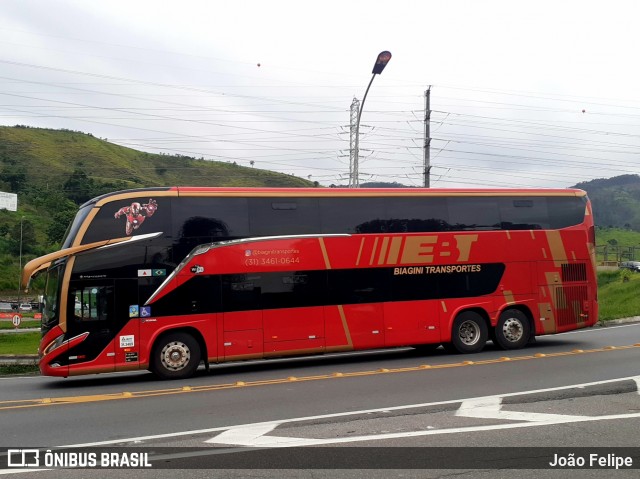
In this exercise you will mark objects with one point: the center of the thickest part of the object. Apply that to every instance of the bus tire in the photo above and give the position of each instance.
(513, 330)
(176, 356)
(469, 333)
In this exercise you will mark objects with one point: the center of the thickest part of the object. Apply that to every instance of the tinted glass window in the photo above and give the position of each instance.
(524, 213)
(283, 216)
(353, 215)
(131, 217)
(74, 227)
(473, 213)
(415, 215)
(294, 289)
(354, 286)
(121, 261)
(201, 294)
(210, 219)
(205, 220)
(566, 211)
(92, 303)
(241, 292)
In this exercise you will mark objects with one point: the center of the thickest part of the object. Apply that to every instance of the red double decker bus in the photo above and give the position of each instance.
(167, 278)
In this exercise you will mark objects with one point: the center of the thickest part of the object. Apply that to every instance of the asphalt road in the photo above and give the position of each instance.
(519, 399)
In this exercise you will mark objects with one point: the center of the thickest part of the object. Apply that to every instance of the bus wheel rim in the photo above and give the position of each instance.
(469, 333)
(512, 330)
(175, 355)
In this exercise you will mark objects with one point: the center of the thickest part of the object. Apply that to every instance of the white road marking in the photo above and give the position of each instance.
(490, 408)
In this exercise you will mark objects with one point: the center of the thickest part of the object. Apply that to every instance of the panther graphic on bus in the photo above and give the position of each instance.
(135, 214)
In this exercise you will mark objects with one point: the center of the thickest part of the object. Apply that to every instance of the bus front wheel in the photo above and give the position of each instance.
(469, 333)
(513, 330)
(176, 356)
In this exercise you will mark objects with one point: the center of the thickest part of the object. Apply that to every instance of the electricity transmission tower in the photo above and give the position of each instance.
(353, 145)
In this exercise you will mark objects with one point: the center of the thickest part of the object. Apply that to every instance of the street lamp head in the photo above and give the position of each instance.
(381, 62)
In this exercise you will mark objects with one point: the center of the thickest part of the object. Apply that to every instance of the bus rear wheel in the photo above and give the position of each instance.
(176, 356)
(469, 333)
(513, 330)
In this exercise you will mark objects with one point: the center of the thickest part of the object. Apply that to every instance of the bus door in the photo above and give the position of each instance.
(242, 336)
(293, 315)
(90, 309)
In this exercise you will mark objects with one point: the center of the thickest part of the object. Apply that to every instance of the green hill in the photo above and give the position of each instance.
(54, 171)
(616, 201)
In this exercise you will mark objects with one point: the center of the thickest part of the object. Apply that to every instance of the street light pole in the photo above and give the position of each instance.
(381, 62)
(20, 260)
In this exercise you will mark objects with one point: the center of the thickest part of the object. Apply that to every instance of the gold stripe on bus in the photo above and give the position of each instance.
(549, 322)
(544, 253)
(383, 250)
(360, 252)
(373, 250)
(552, 279)
(37, 264)
(508, 297)
(508, 234)
(137, 194)
(85, 226)
(325, 255)
(558, 253)
(337, 349)
(288, 352)
(394, 250)
(355, 193)
(444, 306)
(345, 326)
(64, 294)
(242, 357)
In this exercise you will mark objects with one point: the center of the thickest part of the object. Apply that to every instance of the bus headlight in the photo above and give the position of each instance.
(56, 343)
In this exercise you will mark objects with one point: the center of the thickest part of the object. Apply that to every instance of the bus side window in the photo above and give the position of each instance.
(91, 303)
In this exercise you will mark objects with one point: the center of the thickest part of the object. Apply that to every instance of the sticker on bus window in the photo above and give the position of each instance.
(135, 214)
(145, 311)
(127, 341)
(134, 311)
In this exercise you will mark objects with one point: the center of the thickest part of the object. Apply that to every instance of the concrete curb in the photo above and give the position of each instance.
(616, 322)
(19, 330)
(19, 359)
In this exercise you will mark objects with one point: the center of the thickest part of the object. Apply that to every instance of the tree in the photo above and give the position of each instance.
(58, 227)
(79, 187)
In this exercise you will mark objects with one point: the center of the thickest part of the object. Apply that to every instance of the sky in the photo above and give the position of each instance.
(522, 93)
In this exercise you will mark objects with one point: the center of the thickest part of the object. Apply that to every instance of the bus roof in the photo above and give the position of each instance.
(202, 191)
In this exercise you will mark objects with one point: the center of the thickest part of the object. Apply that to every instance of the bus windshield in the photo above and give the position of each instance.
(72, 231)
(50, 315)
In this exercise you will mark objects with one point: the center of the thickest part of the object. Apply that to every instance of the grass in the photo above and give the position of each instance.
(617, 297)
(18, 369)
(26, 323)
(19, 343)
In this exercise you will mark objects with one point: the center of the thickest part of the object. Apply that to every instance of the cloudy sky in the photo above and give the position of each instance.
(523, 93)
